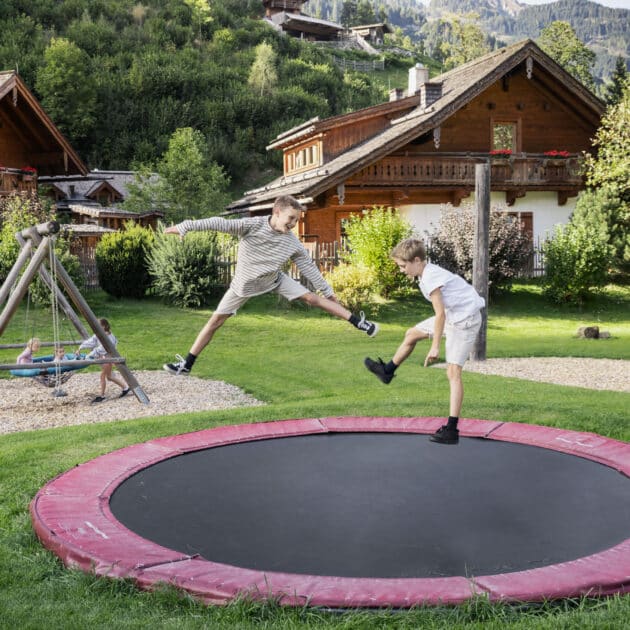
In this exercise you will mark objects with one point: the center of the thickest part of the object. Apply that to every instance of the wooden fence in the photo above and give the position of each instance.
(325, 255)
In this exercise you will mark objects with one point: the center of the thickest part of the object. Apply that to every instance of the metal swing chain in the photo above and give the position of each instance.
(55, 310)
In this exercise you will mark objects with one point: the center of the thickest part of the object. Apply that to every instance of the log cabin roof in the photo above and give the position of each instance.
(459, 86)
(48, 149)
(87, 187)
(100, 212)
(305, 23)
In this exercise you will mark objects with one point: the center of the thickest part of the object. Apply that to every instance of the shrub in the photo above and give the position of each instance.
(603, 210)
(452, 244)
(184, 271)
(576, 260)
(371, 238)
(353, 285)
(121, 261)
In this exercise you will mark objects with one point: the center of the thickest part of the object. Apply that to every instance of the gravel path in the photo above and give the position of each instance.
(27, 405)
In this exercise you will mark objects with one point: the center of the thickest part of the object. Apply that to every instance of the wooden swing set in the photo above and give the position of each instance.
(37, 247)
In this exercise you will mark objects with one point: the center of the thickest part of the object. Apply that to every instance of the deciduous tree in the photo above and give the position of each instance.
(561, 43)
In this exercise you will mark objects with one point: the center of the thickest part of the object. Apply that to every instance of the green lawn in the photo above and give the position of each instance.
(302, 363)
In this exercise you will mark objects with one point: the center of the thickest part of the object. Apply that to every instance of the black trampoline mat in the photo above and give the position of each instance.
(386, 505)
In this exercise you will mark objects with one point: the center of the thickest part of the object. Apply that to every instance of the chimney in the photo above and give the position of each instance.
(429, 93)
(418, 76)
(395, 94)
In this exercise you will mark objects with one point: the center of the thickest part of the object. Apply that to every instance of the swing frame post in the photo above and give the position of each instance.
(45, 365)
(39, 235)
(95, 325)
(45, 276)
(23, 256)
(22, 286)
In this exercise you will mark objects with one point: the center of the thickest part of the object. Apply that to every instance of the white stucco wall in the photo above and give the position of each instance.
(544, 206)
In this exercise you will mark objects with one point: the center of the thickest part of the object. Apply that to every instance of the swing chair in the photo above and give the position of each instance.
(38, 242)
(50, 374)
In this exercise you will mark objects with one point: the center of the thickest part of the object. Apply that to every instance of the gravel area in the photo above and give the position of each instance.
(610, 374)
(27, 405)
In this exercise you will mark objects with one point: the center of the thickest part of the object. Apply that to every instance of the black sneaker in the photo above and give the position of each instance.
(98, 399)
(444, 435)
(378, 369)
(371, 328)
(124, 392)
(177, 368)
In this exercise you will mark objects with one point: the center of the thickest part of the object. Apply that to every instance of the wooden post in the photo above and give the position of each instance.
(45, 276)
(22, 259)
(482, 254)
(22, 286)
(95, 325)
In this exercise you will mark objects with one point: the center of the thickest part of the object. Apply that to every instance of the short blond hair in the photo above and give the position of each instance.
(287, 201)
(409, 249)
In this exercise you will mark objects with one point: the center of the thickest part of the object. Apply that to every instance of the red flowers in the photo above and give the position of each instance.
(501, 152)
(556, 154)
(28, 170)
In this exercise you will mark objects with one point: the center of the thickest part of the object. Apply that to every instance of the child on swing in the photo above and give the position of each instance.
(97, 351)
(266, 244)
(32, 345)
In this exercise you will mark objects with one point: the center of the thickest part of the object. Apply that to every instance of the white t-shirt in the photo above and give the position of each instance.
(461, 301)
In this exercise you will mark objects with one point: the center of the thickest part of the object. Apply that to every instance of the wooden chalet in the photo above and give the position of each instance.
(30, 143)
(287, 16)
(418, 151)
(373, 33)
(92, 199)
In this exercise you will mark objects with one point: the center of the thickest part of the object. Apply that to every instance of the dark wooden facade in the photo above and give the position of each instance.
(29, 138)
(421, 150)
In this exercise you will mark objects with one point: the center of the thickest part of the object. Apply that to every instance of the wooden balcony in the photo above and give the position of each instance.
(13, 180)
(522, 171)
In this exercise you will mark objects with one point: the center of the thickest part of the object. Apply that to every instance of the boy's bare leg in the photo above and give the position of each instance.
(326, 304)
(412, 337)
(454, 374)
(207, 332)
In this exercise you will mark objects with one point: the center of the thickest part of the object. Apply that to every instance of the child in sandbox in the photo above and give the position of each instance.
(267, 243)
(457, 309)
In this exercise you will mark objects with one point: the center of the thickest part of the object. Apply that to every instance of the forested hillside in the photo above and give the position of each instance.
(604, 30)
(119, 77)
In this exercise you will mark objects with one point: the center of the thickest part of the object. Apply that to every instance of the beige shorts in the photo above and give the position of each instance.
(288, 288)
(460, 337)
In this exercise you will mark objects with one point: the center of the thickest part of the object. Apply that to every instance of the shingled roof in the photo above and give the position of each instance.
(459, 86)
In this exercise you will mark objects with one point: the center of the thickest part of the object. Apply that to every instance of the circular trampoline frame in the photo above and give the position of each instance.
(72, 518)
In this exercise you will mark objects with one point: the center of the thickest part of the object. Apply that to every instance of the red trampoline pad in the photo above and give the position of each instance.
(73, 515)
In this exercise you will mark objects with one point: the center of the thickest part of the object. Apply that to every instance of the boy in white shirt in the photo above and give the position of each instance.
(457, 309)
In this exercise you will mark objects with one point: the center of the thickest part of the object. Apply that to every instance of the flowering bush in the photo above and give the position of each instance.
(556, 154)
(501, 152)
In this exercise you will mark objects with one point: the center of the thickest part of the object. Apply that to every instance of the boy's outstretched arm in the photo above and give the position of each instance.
(438, 329)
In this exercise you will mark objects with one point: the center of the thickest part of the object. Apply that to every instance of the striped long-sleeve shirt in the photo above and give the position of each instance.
(262, 252)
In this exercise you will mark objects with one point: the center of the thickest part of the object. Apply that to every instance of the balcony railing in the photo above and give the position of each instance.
(526, 170)
(14, 180)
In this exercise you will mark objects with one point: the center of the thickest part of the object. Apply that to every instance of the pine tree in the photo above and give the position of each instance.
(619, 78)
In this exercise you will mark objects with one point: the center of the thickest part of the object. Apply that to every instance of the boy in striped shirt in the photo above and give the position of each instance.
(266, 244)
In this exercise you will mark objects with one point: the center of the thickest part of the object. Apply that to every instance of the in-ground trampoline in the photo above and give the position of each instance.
(352, 512)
